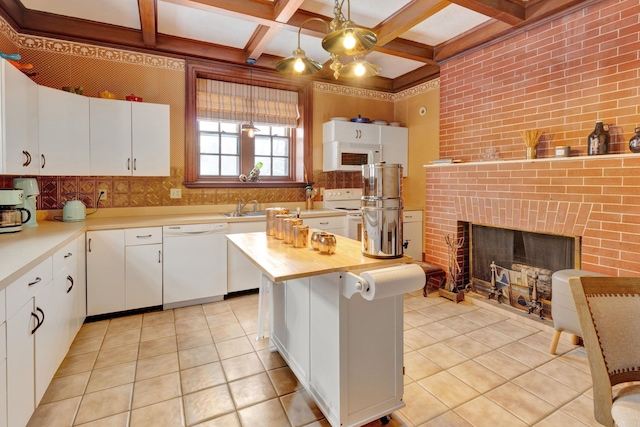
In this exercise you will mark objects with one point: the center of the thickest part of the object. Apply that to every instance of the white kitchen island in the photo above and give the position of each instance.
(346, 352)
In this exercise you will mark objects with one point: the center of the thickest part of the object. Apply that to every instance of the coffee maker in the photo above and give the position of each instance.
(11, 216)
(31, 191)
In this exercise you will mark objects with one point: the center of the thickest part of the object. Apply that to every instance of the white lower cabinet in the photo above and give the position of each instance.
(21, 365)
(332, 224)
(242, 274)
(124, 269)
(3, 361)
(105, 272)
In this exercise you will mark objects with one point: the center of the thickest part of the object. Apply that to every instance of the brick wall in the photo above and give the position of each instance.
(560, 77)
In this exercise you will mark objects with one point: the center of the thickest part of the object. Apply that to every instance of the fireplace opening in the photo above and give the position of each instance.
(515, 267)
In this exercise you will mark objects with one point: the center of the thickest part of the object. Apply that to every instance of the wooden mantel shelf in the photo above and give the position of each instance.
(280, 262)
(545, 159)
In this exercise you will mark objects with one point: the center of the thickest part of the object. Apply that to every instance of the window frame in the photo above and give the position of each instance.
(302, 143)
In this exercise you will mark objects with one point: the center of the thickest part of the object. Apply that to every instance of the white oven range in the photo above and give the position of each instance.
(346, 199)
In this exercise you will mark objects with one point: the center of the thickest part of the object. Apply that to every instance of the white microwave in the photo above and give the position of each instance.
(349, 156)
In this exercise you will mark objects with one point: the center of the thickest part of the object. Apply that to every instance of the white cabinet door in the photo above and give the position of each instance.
(63, 120)
(105, 272)
(20, 122)
(20, 366)
(395, 146)
(143, 276)
(52, 335)
(350, 132)
(412, 234)
(150, 139)
(81, 282)
(3, 392)
(242, 273)
(110, 136)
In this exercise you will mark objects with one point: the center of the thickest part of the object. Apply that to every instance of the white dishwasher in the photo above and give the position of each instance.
(195, 264)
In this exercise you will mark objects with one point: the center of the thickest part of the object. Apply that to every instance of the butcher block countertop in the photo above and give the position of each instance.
(280, 261)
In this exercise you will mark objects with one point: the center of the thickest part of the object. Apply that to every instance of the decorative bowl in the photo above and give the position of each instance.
(133, 97)
(106, 94)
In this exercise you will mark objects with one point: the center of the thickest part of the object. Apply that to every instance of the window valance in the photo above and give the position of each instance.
(231, 102)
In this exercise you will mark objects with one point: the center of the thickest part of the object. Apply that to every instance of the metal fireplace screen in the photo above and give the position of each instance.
(521, 264)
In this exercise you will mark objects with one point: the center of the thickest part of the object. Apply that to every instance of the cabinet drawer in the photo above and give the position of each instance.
(326, 222)
(65, 256)
(411, 216)
(142, 236)
(19, 292)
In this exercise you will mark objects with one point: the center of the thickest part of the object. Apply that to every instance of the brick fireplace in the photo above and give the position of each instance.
(560, 76)
(596, 198)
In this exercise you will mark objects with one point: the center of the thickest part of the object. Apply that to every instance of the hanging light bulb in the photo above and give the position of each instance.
(349, 41)
(359, 70)
(250, 128)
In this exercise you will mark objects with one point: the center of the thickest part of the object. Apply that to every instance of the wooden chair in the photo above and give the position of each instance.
(609, 314)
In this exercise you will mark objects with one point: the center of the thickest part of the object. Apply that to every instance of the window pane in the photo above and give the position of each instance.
(230, 144)
(208, 143)
(266, 165)
(230, 165)
(279, 131)
(280, 147)
(280, 166)
(209, 165)
(206, 125)
(229, 127)
(263, 146)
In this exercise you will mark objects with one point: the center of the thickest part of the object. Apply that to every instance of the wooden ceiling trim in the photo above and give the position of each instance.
(285, 9)
(407, 18)
(408, 49)
(259, 41)
(13, 12)
(148, 21)
(510, 13)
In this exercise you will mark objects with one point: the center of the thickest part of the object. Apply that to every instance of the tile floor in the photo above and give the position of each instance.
(470, 364)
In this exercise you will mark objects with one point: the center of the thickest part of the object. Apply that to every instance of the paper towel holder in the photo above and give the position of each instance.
(353, 284)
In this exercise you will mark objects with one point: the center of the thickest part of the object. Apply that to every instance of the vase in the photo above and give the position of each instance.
(634, 142)
(532, 152)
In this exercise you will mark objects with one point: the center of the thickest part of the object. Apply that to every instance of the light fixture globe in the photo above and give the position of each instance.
(349, 40)
(298, 64)
(360, 67)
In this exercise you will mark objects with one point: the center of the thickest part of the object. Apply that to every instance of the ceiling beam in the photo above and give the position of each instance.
(492, 30)
(283, 10)
(406, 18)
(261, 12)
(148, 10)
(505, 11)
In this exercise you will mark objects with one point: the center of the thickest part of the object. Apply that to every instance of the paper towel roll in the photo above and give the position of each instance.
(392, 281)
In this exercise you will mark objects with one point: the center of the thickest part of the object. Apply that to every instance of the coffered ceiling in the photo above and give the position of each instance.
(414, 36)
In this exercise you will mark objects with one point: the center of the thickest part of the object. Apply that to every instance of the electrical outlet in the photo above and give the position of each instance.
(102, 195)
(175, 193)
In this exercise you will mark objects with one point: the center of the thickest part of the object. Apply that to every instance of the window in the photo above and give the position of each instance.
(217, 151)
(223, 153)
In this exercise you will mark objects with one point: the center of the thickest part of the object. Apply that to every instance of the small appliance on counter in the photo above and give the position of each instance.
(73, 210)
(31, 191)
(11, 216)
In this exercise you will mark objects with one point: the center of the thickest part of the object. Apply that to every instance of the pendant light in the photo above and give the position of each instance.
(343, 37)
(250, 128)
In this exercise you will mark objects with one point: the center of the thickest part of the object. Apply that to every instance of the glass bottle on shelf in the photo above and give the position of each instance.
(599, 140)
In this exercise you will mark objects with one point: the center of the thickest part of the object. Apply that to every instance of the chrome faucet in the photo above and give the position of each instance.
(241, 205)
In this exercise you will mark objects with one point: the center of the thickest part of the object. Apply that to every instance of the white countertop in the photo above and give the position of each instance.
(22, 250)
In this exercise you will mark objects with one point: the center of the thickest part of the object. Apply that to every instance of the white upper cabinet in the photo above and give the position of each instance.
(20, 155)
(336, 130)
(63, 119)
(395, 146)
(110, 130)
(150, 139)
(129, 138)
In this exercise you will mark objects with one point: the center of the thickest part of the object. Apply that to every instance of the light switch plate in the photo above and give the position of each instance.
(175, 193)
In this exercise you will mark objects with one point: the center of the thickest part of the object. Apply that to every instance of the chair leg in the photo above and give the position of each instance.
(575, 340)
(554, 342)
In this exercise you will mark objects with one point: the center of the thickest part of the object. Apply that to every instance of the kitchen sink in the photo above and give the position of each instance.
(235, 214)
